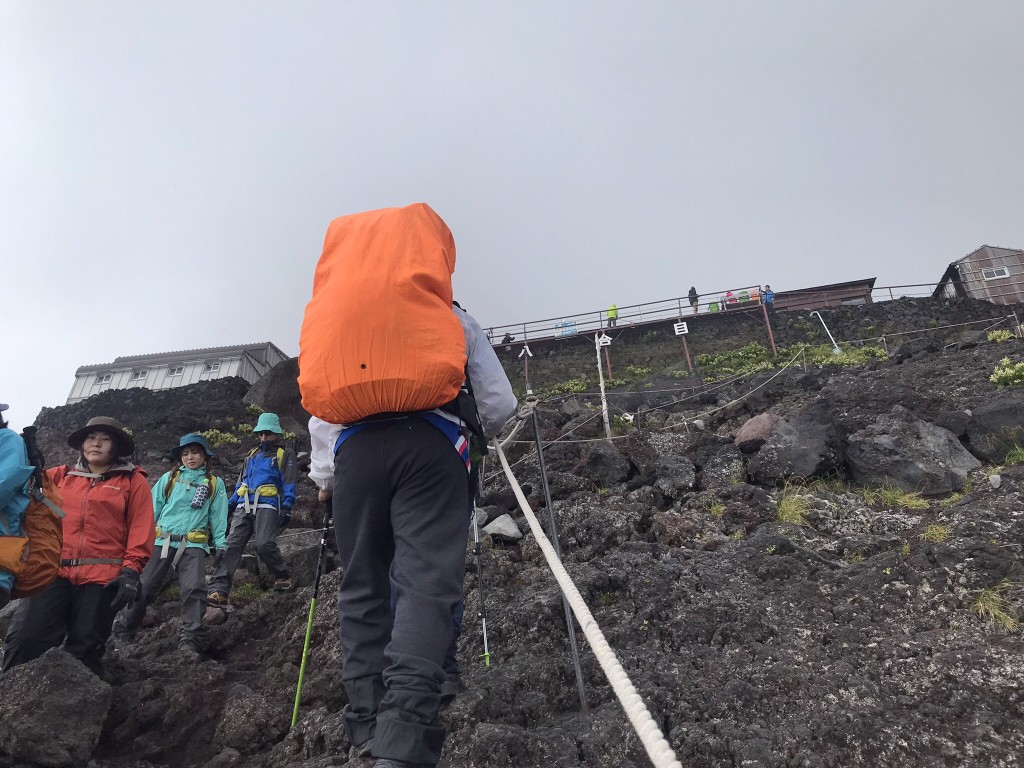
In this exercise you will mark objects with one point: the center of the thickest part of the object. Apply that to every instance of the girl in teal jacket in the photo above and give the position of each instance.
(191, 510)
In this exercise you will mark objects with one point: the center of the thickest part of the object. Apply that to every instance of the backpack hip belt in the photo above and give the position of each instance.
(195, 536)
(266, 490)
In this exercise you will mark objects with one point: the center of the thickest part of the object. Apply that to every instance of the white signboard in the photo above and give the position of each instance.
(604, 340)
(680, 329)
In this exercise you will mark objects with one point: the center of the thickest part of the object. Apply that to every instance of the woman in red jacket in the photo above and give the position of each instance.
(108, 538)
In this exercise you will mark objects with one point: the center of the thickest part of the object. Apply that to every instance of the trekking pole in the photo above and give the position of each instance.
(482, 610)
(570, 623)
(328, 517)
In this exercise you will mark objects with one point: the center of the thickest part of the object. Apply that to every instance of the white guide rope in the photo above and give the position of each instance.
(654, 741)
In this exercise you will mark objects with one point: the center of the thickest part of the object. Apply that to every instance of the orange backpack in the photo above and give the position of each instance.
(34, 557)
(379, 334)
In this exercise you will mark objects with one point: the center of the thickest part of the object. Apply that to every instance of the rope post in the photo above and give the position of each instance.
(603, 340)
(686, 351)
(885, 345)
(768, 325)
(608, 362)
(526, 354)
(1016, 325)
(570, 625)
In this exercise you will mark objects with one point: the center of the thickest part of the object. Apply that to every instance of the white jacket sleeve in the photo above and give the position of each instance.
(322, 436)
(495, 400)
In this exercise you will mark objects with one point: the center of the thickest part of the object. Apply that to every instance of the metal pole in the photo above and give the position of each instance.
(600, 378)
(553, 532)
(768, 325)
(478, 551)
(608, 362)
(835, 347)
(328, 516)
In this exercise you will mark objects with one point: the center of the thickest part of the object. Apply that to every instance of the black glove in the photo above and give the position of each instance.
(127, 585)
(231, 507)
(285, 517)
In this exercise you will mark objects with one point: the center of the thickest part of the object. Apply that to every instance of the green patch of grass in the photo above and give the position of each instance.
(566, 387)
(990, 605)
(952, 499)
(171, 592)
(891, 496)
(254, 409)
(1000, 336)
(905, 548)
(249, 592)
(608, 598)
(833, 484)
(793, 508)
(855, 557)
(716, 509)
(1015, 455)
(245, 429)
(935, 533)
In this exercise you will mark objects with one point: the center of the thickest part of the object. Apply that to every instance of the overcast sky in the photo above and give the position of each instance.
(168, 170)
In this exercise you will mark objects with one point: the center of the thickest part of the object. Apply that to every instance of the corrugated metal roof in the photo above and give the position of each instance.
(181, 354)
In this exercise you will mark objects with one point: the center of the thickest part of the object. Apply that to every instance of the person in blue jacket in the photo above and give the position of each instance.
(190, 506)
(261, 505)
(15, 472)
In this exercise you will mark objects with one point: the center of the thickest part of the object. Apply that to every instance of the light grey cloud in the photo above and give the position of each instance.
(167, 172)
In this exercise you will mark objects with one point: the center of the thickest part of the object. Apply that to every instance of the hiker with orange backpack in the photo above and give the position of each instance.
(108, 539)
(387, 364)
(260, 506)
(15, 472)
(191, 508)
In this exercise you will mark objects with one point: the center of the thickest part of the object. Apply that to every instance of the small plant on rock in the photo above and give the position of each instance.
(1000, 336)
(216, 438)
(1015, 455)
(793, 507)
(891, 496)
(905, 548)
(254, 409)
(716, 509)
(935, 533)
(990, 605)
(1007, 373)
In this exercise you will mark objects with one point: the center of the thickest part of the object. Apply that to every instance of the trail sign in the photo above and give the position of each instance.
(680, 328)
(604, 340)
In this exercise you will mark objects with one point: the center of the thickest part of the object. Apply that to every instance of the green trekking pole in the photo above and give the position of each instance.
(328, 516)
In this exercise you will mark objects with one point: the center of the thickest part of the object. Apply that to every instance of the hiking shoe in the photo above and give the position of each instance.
(189, 647)
(361, 750)
(283, 585)
(217, 598)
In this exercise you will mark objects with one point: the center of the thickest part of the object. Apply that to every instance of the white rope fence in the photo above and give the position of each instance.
(654, 741)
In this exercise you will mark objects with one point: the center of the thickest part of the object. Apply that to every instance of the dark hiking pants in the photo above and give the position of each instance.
(191, 570)
(78, 615)
(400, 500)
(265, 523)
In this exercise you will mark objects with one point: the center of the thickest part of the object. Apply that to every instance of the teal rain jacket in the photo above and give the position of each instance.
(175, 515)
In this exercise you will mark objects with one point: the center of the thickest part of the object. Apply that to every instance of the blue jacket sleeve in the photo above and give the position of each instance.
(288, 479)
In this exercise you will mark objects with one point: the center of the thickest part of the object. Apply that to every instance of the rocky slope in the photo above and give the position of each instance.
(754, 551)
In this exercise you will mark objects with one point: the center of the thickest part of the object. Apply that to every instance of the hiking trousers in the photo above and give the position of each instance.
(77, 615)
(191, 570)
(265, 524)
(400, 500)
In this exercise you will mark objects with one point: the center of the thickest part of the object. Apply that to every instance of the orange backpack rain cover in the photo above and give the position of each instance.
(379, 334)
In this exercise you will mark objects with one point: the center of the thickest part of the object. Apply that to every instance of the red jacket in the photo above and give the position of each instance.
(108, 518)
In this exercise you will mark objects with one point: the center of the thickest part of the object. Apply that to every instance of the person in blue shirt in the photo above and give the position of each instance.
(768, 295)
(15, 471)
(190, 507)
(261, 506)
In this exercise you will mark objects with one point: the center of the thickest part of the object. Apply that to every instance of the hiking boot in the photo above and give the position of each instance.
(283, 585)
(361, 750)
(217, 598)
(189, 648)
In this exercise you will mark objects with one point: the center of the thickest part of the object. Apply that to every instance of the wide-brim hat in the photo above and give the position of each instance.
(193, 438)
(268, 422)
(104, 424)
